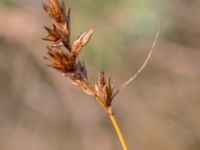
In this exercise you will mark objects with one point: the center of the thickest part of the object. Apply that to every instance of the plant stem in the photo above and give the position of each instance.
(114, 122)
(118, 131)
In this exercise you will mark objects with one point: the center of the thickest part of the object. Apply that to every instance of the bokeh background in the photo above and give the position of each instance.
(42, 110)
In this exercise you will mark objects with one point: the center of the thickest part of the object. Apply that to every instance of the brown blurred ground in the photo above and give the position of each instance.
(40, 109)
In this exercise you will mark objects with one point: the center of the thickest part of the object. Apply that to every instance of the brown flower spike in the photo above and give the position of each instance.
(104, 88)
(61, 61)
(61, 23)
(68, 63)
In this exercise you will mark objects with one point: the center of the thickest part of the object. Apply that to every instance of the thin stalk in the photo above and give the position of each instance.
(114, 122)
(118, 131)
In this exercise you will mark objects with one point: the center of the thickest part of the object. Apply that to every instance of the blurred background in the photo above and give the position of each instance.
(40, 109)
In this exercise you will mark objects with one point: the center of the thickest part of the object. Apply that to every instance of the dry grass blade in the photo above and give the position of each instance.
(134, 76)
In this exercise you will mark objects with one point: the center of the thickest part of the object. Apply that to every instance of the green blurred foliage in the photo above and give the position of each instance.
(6, 3)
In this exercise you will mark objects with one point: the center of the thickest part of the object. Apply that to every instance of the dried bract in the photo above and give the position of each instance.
(53, 35)
(81, 41)
(81, 69)
(104, 88)
(54, 10)
(61, 61)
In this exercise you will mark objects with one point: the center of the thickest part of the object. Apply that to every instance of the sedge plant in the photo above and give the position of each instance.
(63, 56)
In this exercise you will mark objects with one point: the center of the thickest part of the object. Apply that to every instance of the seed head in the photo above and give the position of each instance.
(104, 88)
(61, 22)
(61, 61)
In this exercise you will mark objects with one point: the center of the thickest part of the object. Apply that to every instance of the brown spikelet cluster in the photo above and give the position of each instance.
(67, 62)
(63, 57)
(104, 88)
